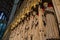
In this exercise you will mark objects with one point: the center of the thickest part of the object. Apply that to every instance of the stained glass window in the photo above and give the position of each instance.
(2, 23)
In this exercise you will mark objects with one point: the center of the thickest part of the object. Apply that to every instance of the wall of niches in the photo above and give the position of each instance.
(38, 24)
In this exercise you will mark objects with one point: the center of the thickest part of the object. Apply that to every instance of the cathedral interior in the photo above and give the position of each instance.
(29, 19)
